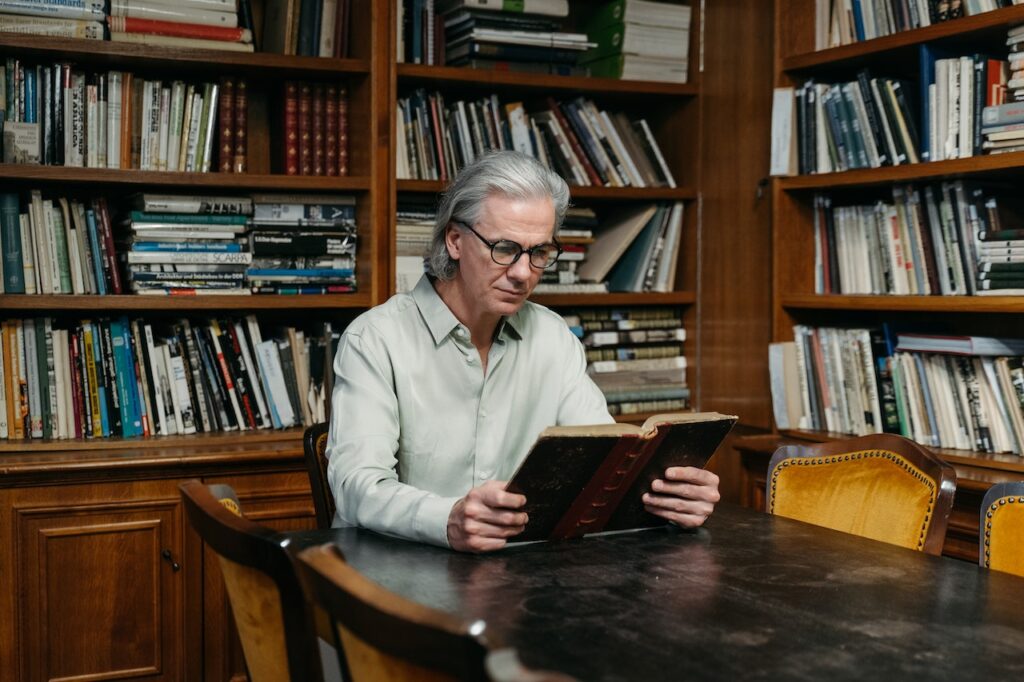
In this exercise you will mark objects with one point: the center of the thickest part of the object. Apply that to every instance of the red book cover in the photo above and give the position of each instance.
(319, 113)
(305, 129)
(291, 128)
(103, 215)
(241, 156)
(342, 130)
(331, 130)
(179, 30)
(436, 118)
(996, 82)
(226, 125)
(577, 148)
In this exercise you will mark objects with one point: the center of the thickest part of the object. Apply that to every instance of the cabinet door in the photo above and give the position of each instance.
(282, 501)
(98, 570)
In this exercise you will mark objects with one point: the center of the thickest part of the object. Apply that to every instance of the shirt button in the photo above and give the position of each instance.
(460, 332)
(469, 359)
(484, 475)
(483, 413)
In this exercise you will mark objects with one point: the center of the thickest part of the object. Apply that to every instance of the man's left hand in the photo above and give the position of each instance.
(686, 496)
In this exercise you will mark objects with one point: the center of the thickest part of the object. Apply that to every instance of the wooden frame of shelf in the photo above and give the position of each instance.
(589, 193)
(932, 170)
(127, 302)
(927, 304)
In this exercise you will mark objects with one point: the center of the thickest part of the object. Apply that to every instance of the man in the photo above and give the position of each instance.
(440, 393)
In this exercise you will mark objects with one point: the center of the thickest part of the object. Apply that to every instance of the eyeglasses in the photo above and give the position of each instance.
(507, 252)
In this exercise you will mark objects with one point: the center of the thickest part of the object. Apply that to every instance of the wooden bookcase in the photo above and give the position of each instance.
(92, 515)
(793, 297)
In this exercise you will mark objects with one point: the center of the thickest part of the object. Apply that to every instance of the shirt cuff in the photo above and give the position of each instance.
(431, 523)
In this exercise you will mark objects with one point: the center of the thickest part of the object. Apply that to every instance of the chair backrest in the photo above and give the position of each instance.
(383, 636)
(315, 448)
(265, 596)
(882, 487)
(1002, 528)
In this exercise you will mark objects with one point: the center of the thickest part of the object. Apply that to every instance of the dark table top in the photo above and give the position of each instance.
(749, 596)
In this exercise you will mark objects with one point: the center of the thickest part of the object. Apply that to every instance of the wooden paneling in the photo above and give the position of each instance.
(735, 266)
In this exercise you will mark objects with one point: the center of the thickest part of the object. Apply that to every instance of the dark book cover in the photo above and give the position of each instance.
(220, 412)
(331, 130)
(586, 479)
(305, 121)
(319, 132)
(106, 370)
(226, 125)
(291, 381)
(236, 366)
(240, 160)
(342, 130)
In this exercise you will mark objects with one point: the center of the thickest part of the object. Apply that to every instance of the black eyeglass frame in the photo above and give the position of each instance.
(533, 249)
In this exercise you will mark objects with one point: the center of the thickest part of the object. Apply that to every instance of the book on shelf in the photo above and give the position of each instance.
(840, 22)
(82, 29)
(309, 29)
(587, 479)
(91, 10)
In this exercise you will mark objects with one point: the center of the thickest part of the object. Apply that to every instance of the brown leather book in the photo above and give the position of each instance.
(585, 479)
(291, 128)
(319, 131)
(226, 125)
(331, 130)
(240, 159)
(305, 129)
(342, 130)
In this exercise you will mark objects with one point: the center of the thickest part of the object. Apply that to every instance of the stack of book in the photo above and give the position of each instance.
(575, 236)
(964, 392)
(1003, 120)
(585, 145)
(187, 245)
(640, 40)
(635, 356)
(58, 115)
(303, 244)
(57, 18)
(314, 138)
(950, 239)
(120, 377)
(413, 231)
(840, 22)
(57, 246)
(184, 24)
(307, 29)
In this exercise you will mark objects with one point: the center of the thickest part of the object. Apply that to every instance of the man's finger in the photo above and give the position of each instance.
(686, 490)
(495, 495)
(691, 475)
(678, 504)
(484, 529)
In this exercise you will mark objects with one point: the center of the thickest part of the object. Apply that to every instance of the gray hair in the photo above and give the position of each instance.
(505, 173)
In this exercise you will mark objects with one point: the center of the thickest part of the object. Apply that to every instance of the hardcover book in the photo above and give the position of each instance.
(585, 479)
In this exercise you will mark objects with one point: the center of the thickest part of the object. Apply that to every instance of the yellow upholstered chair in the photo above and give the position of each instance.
(266, 599)
(314, 445)
(1002, 528)
(882, 487)
(380, 635)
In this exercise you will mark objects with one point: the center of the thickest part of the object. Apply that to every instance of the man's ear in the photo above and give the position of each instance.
(453, 240)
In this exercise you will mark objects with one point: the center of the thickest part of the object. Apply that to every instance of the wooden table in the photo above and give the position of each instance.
(750, 596)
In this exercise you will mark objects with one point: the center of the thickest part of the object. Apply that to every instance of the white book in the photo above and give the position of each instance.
(218, 353)
(61, 386)
(186, 128)
(51, 376)
(101, 124)
(596, 131)
(178, 12)
(186, 257)
(114, 108)
(51, 26)
(175, 115)
(665, 275)
(635, 179)
(35, 408)
(253, 373)
(965, 135)
(328, 14)
(165, 128)
(540, 152)
(40, 244)
(152, 129)
(171, 373)
(77, 121)
(147, 115)
(183, 407)
(784, 146)
(28, 254)
(193, 132)
(92, 131)
(61, 9)
(210, 123)
(215, 5)
(269, 359)
(84, 247)
(59, 251)
(176, 41)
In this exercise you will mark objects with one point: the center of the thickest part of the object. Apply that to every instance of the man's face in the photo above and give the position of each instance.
(501, 289)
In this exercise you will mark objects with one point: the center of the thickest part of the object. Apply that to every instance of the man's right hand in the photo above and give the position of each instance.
(484, 519)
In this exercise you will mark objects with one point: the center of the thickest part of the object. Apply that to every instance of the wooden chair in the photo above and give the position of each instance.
(315, 448)
(882, 487)
(1002, 528)
(266, 599)
(382, 636)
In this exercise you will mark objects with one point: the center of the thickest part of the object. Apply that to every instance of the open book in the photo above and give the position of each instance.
(585, 479)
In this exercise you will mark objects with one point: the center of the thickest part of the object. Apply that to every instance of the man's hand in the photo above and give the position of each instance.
(686, 496)
(483, 519)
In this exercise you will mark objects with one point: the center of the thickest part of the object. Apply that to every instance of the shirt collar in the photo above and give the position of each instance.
(441, 321)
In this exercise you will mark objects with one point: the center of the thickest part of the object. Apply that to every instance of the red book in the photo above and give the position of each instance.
(436, 119)
(226, 125)
(319, 113)
(331, 130)
(179, 30)
(305, 129)
(342, 130)
(291, 128)
(241, 156)
(103, 216)
(577, 148)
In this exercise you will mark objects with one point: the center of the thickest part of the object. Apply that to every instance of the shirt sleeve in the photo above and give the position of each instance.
(581, 402)
(362, 449)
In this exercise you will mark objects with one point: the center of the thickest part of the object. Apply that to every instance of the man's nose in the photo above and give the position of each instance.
(521, 269)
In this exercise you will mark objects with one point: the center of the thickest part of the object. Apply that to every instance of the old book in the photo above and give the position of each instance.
(586, 479)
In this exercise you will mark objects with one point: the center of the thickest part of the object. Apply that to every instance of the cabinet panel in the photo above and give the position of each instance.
(101, 582)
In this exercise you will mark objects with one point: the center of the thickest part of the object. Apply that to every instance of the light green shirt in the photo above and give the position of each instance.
(415, 424)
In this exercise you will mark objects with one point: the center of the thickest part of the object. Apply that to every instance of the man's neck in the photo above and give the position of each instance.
(481, 326)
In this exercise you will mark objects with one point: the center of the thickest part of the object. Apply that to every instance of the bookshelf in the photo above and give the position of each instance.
(794, 300)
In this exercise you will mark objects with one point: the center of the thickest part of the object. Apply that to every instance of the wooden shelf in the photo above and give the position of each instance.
(129, 302)
(594, 193)
(107, 445)
(865, 177)
(1000, 461)
(203, 182)
(259, 64)
(980, 27)
(420, 74)
(570, 300)
(928, 304)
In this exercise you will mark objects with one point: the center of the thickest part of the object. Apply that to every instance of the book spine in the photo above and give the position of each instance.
(58, 9)
(342, 130)
(319, 130)
(176, 29)
(141, 9)
(239, 162)
(290, 148)
(331, 130)
(305, 129)
(226, 126)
